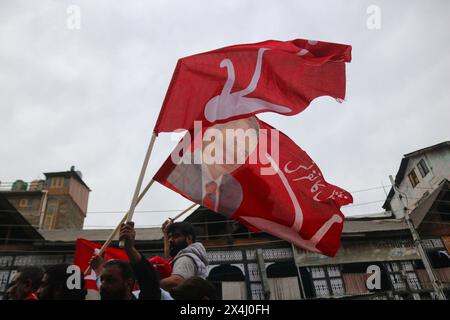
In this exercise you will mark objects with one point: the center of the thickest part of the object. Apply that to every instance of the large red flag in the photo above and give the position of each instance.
(243, 80)
(278, 189)
(84, 251)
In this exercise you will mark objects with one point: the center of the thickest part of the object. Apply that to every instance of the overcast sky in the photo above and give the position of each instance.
(89, 97)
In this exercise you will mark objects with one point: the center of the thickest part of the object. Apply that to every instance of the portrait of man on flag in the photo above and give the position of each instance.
(227, 172)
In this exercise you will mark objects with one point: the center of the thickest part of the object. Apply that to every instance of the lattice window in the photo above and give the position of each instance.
(437, 243)
(423, 168)
(400, 244)
(4, 276)
(224, 255)
(251, 254)
(253, 272)
(393, 267)
(327, 281)
(22, 260)
(427, 244)
(413, 281)
(407, 266)
(6, 261)
(317, 272)
(277, 254)
(334, 271)
(397, 281)
(403, 276)
(257, 291)
(321, 288)
(38, 260)
(432, 244)
(337, 286)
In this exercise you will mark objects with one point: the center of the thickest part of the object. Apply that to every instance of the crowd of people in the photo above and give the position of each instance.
(135, 279)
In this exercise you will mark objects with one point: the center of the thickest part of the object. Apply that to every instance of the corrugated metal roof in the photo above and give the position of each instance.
(353, 226)
(428, 149)
(10, 216)
(417, 215)
(142, 234)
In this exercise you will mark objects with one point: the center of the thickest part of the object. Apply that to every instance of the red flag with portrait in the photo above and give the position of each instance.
(274, 187)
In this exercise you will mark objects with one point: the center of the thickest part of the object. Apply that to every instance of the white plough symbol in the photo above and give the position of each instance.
(227, 104)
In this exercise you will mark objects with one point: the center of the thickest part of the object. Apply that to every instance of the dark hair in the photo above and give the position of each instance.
(34, 274)
(125, 268)
(57, 277)
(185, 228)
(194, 288)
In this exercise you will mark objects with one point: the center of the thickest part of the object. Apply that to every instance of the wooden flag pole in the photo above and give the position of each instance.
(134, 201)
(113, 234)
(141, 178)
(181, 213)
(166, 240)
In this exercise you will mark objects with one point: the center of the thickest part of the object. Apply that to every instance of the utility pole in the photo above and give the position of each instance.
(437, 285)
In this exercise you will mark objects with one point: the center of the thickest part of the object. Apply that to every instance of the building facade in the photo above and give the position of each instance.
(378, 258)
(420, 173)
(58, 202)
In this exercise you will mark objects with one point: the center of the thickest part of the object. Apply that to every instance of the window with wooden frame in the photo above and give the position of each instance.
(423, 168)
(50, 217)
(413, 178)
(57, 182)
(327, 281)
(23, 203)
(403, 276)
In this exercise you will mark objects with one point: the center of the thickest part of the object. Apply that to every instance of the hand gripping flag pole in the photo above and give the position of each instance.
(114, 233)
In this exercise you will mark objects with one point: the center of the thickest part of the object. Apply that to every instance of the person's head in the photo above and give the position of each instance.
(194, 288)
(26, 281)
(180, 235)
(55, 284)
(117, 280)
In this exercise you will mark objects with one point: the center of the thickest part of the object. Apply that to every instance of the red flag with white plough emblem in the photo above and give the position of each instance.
(243, 80)
(268, 184)
(259, 176)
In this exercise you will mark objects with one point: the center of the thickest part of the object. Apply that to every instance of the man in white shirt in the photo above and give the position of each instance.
(188, 256)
